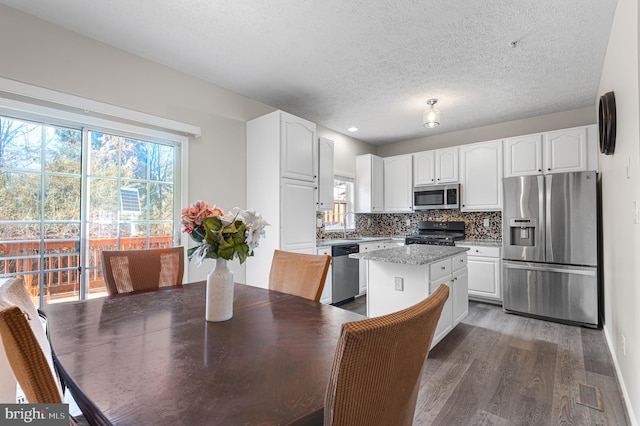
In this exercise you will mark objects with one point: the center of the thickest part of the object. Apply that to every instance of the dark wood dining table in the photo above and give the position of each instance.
(152, 359)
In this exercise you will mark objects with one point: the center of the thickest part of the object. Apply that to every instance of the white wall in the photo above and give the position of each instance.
(526, 126)
(345, 150)
(619, 191)
(42, 54)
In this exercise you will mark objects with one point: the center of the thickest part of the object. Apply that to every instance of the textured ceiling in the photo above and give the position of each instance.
(371, 64)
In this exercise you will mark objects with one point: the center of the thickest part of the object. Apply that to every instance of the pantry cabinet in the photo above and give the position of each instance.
(481, 176)
(398, 191)
(325, 174)
(282, 163)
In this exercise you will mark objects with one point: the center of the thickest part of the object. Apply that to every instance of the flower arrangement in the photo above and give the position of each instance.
(219, 234)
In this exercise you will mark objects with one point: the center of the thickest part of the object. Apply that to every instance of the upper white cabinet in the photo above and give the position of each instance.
(424, 168)
(567, 150)
(369, 184)
(282, 163)
(436, 166)
(446, 160)
(398, 191)
(481, 176)
(523, 155)
(325, 174)
(298, 149)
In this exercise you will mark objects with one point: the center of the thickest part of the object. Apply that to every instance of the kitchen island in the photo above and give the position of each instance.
(402, 276)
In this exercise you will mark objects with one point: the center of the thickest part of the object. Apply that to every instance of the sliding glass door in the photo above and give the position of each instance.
(68, 193)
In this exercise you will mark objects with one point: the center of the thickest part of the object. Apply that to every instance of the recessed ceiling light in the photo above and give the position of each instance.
(352, 129)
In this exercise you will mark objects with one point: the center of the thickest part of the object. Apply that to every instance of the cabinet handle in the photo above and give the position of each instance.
(549, 169)
(443, 268)
(539, 170)
(462, 261)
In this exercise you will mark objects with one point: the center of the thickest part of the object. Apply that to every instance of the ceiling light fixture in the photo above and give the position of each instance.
(431, 116)
(352, 129)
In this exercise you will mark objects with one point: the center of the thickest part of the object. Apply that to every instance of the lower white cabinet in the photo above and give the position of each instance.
(453, 273)
(326, 292)
(483, 263)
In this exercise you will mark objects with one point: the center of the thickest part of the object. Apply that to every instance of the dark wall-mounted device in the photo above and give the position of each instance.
(607, 123)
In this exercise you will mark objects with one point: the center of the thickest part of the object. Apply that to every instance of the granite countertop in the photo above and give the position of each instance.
(488, 243)
(414, 254)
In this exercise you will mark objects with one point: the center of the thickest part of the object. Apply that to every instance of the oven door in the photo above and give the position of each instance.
(436, 197)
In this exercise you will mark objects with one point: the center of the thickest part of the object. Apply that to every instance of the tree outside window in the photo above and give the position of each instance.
(343, 206)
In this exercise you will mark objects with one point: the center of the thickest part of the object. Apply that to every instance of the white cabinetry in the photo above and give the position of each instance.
(560, 151)
(369, 184)
(453, 273)
(446, 161)
(424, 171)
(326, 291)
(435, 167)
(281, 186)
(298, 216)
(565, 150)
(298, 149)
(481, 176)
(398, 191)
(483, 263)
(523, 155)
(325, 174)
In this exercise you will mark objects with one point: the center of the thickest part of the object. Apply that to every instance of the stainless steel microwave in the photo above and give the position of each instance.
(436, 197)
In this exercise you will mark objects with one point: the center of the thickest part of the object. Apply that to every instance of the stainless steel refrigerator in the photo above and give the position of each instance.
(550, 247)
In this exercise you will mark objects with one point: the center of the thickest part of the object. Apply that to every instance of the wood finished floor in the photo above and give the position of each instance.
(502, 369)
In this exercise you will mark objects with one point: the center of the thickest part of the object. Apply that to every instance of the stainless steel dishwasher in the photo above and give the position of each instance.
(345, 275)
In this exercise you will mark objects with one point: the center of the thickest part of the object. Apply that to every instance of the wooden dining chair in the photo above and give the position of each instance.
(300, 274)
(26, 345)
(378, 364)
(127, 271)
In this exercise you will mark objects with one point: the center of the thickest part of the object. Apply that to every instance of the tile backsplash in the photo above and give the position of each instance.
(395, 224)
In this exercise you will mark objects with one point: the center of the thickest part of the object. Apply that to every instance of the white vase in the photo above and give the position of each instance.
(219, 292)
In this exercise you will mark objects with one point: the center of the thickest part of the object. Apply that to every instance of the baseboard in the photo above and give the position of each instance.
(623, 388)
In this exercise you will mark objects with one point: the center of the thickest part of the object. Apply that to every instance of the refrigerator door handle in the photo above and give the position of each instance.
(529, 267)
(547, 219)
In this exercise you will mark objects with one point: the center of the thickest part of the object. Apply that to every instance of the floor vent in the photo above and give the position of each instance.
(590, 396)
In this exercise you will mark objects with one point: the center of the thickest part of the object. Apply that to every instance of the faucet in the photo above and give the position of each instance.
(345, 222)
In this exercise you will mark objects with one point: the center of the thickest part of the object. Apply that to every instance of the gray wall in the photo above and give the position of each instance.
(619, 192)
(543, 123)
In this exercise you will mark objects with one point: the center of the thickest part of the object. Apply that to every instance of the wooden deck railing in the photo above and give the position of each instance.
(23, 259)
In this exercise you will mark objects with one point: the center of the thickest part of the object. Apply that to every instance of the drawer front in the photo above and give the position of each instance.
(440, 269)
(459, 261)
(371, 246)
(485, 251)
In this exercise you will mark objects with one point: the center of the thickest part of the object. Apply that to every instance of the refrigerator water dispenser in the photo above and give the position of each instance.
(523, 232)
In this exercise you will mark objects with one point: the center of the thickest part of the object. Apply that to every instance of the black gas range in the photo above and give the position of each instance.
(437, 233)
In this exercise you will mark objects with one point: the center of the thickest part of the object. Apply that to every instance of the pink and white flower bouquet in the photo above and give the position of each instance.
(219, 234)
